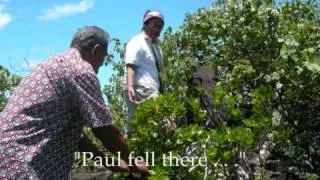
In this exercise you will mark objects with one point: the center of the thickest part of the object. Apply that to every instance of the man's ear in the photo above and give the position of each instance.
(98, 50)
(95, 49)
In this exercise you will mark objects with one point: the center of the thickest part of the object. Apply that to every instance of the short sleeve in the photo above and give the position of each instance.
(89, 100)
(132, 51)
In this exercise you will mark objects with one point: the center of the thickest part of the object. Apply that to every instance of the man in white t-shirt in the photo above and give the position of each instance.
(143, 60)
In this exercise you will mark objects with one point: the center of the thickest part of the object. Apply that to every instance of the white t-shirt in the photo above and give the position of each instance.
(139, 53)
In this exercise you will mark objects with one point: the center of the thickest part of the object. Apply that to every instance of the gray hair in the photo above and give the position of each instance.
(88, 36)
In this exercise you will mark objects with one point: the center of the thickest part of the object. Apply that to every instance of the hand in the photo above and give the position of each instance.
(171, 126)
(132, 95)
(140, 167)
(122, 168)
(127, 136)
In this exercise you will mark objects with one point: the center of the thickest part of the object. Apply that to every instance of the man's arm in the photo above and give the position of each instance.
(92, 110)
(131, 73)
(86, 145)
(113, 140)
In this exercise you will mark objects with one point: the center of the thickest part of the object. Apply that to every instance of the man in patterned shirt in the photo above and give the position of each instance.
(41, 125)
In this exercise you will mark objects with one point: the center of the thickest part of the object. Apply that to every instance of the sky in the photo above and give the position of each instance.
(33, 30)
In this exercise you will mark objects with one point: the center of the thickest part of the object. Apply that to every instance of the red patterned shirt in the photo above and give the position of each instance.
(41, 125)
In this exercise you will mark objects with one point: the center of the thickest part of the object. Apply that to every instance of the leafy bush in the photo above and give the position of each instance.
(266, 58)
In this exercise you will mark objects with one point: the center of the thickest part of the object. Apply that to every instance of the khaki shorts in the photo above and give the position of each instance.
(142, 94)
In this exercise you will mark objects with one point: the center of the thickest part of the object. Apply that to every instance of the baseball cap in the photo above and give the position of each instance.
(152, 14)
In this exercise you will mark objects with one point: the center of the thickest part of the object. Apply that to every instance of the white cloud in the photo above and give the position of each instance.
(66, 10)
(5, 18)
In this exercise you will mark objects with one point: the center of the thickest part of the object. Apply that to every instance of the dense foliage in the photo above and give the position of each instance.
(266, 59)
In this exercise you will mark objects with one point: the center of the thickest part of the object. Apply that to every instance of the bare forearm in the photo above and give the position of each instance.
(85, 145)
(113, 140)
(131, 73)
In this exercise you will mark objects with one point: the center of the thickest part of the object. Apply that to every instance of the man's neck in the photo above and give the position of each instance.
(149, 37)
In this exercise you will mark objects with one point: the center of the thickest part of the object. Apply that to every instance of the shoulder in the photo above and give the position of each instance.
(136, 39)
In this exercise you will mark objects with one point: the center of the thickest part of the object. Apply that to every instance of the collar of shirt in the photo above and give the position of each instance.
(75, 52)
(77, 56)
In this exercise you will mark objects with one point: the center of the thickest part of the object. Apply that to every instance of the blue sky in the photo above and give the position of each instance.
(31, 31)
